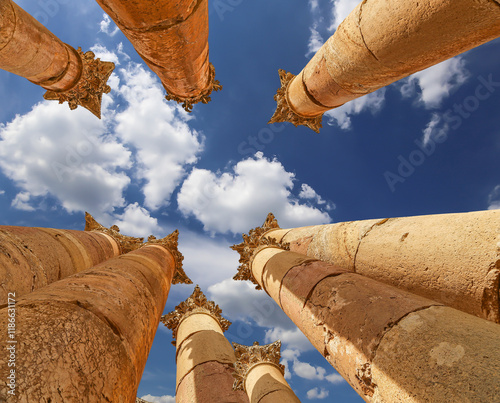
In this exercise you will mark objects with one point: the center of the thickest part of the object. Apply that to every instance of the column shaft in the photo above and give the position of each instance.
(205, 361)
(450, 258)
(86, 338)
(390, 345)
(172, 38)
(31, 258)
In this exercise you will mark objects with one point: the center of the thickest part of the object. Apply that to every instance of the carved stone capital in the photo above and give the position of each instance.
(195, 303)
(284, 112)
(127, 243)
(89, 88)
(249, 356)
(251, 242)
(138, 400)
(170, 242)
(204, 97)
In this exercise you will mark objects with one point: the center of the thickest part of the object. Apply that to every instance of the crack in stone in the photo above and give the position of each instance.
(361, 32)
(381, 222)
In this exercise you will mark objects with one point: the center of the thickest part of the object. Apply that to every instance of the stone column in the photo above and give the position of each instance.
(204, 356)
(31, 258)
(389, 344)
(378, 43)
(259, 373)
(30, 50)
(450, 258)
(86, 338)
(171, 36)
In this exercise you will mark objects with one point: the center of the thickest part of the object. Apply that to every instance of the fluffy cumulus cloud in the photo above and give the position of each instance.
(159, 399)
(341, 9)
(494, 199)
(107, 26)
(341, 116)
(317, 393)
(135, 221)
(239, 200)
(436, 83)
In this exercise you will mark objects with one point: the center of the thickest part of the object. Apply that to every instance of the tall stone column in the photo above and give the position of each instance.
(389, 344)
(171, 36)
(31, 258)
(259, 373)
(378, 43)
(86, 338)
(30, 50)
(450, 258)
(204, 356)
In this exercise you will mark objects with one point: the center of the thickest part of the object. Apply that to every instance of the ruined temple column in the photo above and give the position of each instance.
(259, 373)
(389, 344)
(450, 258)
(378, 43)
(31, 258)
(30, 50)
(171, 36)
(86, 338)
(204, 356)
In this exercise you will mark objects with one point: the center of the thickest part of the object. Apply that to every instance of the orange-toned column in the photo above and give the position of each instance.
(31, 258)
(204, 356)
(450, 258)
(389, 344)
(259, 373)
(30, 50)
(86, 338)
(378, 43)
(172, 38)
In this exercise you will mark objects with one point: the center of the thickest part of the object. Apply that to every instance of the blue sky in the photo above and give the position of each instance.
(428, 144)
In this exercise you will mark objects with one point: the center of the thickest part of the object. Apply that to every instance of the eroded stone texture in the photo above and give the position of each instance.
(30, 50)
(31, 258)
(382, 42)
(87, 337)
(171, 36)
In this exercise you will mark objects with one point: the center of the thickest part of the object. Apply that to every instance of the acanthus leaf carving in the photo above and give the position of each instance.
(284, 113)
(248, 356)
(89, 89)
(196, 302)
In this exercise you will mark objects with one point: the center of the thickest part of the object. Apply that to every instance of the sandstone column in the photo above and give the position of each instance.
(378, 43)
(86, 338)
(450, 258)
(259, 373)
(31, 258)
(171, 36)
(30, 50)
(204, 356)
(389, 344)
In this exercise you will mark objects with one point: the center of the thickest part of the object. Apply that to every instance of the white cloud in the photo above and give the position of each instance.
(317, 393)
(159, 132)
(291, 338)
(21, 202)
(104, 54)
(308, 371)
(159, 399)
(494, 199)
(341, 9)
(435, 83)
(341, 116)
(136, 221)
(2, 192)
(436, 128)
(315, 42)
(239, 200)
(106, 24)
(334, 378)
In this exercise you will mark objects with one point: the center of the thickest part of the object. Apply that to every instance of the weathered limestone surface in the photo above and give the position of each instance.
(383, 340)
(450, 258)
(31, 258)
(86, 338)
(204, 356)
(172, 38)
(381, 42)
(30, 50)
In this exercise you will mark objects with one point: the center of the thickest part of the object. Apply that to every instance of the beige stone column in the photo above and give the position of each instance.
(31, 258)
(450, 258)
(204, 356)
(171, 36)
(30, 50)
(378, 43)
(259, 373)
(389, 344)
(86, 338)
